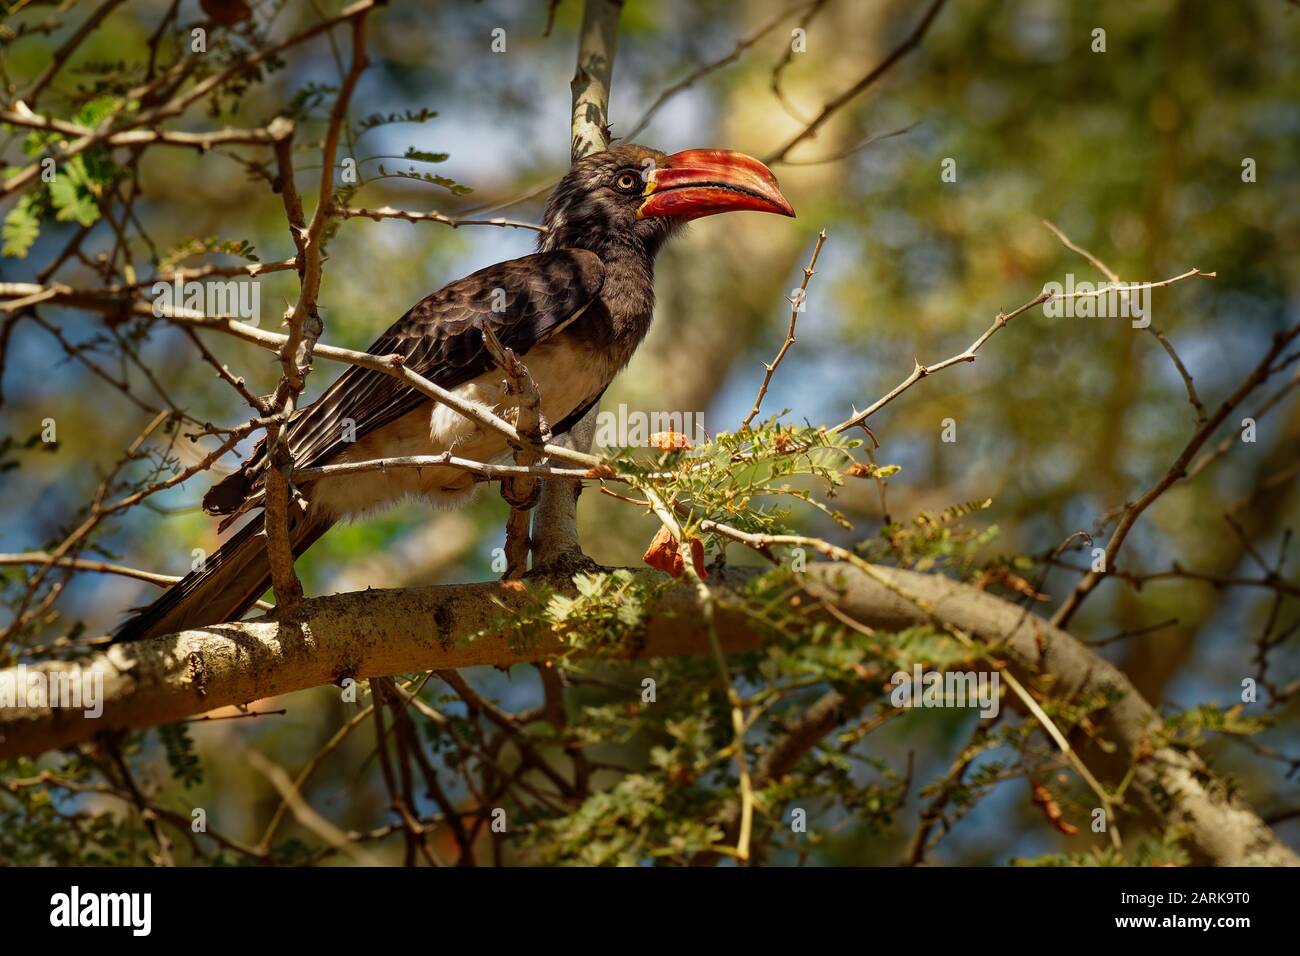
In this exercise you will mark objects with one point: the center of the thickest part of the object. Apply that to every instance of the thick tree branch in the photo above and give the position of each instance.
(555, 519)
(597, 41)
(376, 633)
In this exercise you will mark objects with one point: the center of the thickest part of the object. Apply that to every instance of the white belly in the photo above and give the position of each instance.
(568, 377)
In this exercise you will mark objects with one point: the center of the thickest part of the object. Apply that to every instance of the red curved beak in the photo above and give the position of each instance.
(702, 182)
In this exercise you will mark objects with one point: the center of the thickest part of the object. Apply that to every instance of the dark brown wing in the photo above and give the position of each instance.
(523, 300)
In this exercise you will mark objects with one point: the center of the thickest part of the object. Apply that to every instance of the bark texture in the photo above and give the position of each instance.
(379, 633)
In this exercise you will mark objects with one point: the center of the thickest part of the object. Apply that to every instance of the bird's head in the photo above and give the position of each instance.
(635, 195)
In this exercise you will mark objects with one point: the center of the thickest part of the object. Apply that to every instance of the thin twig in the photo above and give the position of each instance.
(796, 305)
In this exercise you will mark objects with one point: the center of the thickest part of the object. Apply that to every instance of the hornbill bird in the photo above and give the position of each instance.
(575, 311)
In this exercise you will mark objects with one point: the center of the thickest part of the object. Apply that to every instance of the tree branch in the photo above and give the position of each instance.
(597, 41)
(555, 519)
(376, 633)
(912, 41)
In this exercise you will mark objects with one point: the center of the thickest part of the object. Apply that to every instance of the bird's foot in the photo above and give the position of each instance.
(563, 564)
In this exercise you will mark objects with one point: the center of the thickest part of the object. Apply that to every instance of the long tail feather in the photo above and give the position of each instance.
(230, 582)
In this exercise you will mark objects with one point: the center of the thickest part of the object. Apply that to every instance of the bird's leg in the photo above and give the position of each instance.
(521, 493)
(556, 549)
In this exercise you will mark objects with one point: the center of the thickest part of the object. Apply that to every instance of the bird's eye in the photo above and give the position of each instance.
(628, 181)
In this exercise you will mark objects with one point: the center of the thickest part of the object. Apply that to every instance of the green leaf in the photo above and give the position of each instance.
(21, 227)
(97, 110)
(182, 759)
(409, 116)
(447, 183)
(74, 191)
(73, 202)
(424, 156)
